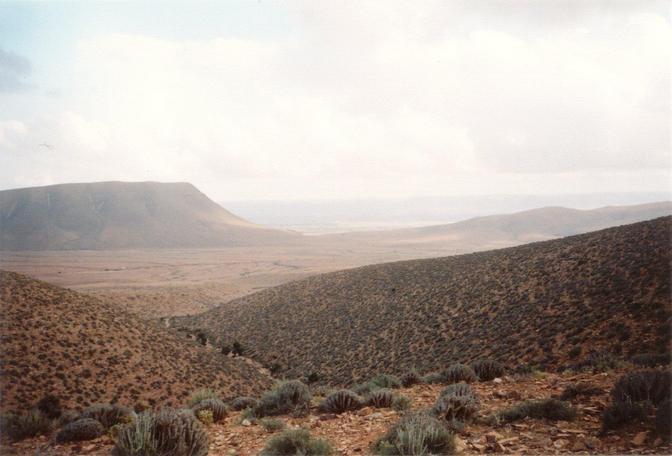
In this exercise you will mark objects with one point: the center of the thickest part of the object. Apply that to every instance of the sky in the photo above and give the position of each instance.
(269, 100)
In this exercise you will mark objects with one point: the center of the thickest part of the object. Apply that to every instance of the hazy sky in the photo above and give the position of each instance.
(325, 99)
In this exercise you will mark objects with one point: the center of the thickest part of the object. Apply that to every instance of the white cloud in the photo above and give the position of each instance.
(376, 97)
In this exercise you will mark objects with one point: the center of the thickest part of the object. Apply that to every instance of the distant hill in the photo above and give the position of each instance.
(506, 230)
(56, 341)
(120, 215)
(547, 303)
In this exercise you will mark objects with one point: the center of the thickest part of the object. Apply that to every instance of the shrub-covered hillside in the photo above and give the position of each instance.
(567, 302)
(58, 342)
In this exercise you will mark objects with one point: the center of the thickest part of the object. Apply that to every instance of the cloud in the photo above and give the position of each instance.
(379, 97)
(14, 72)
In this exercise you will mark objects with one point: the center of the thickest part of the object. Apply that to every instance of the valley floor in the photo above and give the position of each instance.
(353, 433)
(161, 283)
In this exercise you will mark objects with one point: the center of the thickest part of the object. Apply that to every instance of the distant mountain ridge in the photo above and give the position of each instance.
(505, 230)
(120, 215)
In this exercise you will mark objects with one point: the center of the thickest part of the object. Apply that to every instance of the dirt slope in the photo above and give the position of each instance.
(546, 303)
(56, 341)
(115, 215)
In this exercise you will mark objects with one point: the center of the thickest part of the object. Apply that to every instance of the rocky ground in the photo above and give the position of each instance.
(353, 433)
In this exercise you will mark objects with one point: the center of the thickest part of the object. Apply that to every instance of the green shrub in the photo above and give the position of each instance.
(458, 389)
(22, 426)
(457, 404)
(272, 424)
(643, 386)
(50, 406)
(79, 430)
(459, 373)
(287, 397)
(201, 395)
(247, 414)
(598, 362)
(168, 432)
(401, 403)
(416, 434)
(410, 378)
(243, 402)
(663, 419)
(487, 369)
(651, 359)
(341, 401)
(363, 388)
(433, 378)
(386, 381)
(205, 416)
(380, 398)
(68, 416)
(108, 415)
(550, 409)
(619, 414)
(297, 442)
(217, 407)
(574, 390)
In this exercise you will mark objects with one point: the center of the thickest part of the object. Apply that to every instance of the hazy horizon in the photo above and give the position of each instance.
(320, 216)
(302, 100)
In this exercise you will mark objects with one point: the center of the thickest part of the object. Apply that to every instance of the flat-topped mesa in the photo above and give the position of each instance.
(123, 215)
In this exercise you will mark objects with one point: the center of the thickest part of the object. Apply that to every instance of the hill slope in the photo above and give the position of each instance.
(518, 228)
(57, 341)
(535, 303)
(113, 215)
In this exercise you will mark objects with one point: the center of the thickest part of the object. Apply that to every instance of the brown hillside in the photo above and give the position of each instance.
(537, 303)
(56, 341)
(116, 215)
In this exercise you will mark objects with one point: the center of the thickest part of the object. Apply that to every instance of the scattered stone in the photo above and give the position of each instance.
(579, 446)
(640, 438)
(460, 445)
(246, 423)
(593, 443)
(493, 437)
(498, 380)
(374, 416)
(560, 443)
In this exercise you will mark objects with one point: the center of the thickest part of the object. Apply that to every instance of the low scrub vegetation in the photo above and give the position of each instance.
(243, 402)
(381, 398)
(166, 432)
(80, 430)
(456, 405)
(643, 386)
(634, 395)
(22, 426)
(416, 434)
(619, 414)
(341, 401)
(216, 407)
(458, 372)
(487, 369)
(410, 378)
(296, 442)
(291, 396)
(549, 409)
(200, 395)
(108, 414)
(575, 390)
(651, 359)
(272, 424)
